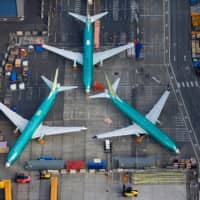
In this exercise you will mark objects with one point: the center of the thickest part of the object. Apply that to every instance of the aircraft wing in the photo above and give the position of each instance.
(55, 130)
(15, 118)
(75, 56)
(134, 129)
(101, 56)
(129, 130)
(155, 112)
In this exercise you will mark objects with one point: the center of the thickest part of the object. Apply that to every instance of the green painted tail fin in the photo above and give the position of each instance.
(110, 88)
(53, 85)
(55, 81)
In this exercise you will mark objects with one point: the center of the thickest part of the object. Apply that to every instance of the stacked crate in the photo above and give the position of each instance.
(195, 37)
(3, 145)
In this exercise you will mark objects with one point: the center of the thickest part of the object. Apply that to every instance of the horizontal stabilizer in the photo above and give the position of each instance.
(100, 95)
(98, 16)
(79, 17)
(60, 88)
(112, 89)
(65, 88)
(47, 81)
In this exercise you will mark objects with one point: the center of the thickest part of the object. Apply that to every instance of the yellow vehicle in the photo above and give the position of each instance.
(45, 174)
(129, 192)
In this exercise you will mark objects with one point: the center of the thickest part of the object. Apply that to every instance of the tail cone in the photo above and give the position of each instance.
(7, 164)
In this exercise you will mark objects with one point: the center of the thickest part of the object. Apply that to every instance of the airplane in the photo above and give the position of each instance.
(88, 58)
(144, 125)
(34, 128)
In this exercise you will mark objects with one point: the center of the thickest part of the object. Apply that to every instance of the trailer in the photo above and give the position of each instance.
(75, 165)
(96, 164)
(134, 162)
(44, 165)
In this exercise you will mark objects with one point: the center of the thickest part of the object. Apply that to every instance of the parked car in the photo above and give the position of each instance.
(22, 178)
(129, 191)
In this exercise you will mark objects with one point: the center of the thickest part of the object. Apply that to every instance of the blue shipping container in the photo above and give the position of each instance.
(196, 64)
(193, 2)
(8, 8)
(13, 76)
(96, 164)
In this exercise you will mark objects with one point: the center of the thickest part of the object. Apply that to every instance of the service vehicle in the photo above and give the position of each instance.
(107, 146)
(45, 174)
(129, 191)
(22, 178)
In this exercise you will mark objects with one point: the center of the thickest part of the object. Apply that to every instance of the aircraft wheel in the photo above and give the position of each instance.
(139, 139)
(41, 141)
(16, 133)
(75, 68)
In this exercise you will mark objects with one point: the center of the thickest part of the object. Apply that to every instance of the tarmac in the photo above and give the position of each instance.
(142, 83)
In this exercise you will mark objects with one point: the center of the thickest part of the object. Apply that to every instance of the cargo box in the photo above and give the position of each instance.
(11, 59)
(4, 149)
(1, 137)
(96, 164)
(18, 62)
(8, 67)
(75, 165)
(14, 51)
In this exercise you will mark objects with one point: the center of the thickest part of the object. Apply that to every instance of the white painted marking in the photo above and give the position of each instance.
(184, 58)
(191, 83)
(196, 83)
(187, 84)
(155, 79)
(174, 58)
(178, 85)
(183, 84)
